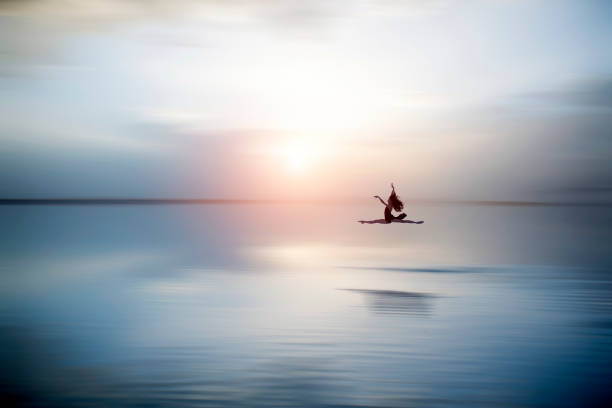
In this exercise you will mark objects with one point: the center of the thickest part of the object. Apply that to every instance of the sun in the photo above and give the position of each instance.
(297, 155)
(298, 158)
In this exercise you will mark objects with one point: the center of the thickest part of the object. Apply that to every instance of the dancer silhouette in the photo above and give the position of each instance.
(393, 203)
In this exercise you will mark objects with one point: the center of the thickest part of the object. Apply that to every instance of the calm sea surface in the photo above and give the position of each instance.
(299, 305)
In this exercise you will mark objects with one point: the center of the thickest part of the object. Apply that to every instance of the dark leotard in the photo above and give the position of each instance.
(389, 217)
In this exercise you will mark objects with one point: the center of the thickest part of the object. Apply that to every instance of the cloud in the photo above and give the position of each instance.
(31, 30)
(25, 44)
(220, 10)
(588, 93)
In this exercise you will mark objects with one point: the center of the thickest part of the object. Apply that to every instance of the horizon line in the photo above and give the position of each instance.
(212, 201)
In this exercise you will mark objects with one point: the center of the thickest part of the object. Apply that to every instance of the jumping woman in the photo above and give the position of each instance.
(393, 203)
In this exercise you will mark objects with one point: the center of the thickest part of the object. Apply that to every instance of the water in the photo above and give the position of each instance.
(298, 305)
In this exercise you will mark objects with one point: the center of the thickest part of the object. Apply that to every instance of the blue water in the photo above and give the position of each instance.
(299, 305)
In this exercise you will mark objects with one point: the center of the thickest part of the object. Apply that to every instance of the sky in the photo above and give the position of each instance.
(499, 99)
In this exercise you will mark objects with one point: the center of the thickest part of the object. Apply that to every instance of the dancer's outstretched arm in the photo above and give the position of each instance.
(381, 200)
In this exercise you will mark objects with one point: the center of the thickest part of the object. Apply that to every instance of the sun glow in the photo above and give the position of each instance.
(296, 155)
(299, 157)
(297, 160)
(314, 93)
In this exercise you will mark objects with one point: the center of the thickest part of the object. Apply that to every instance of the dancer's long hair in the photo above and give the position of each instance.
(395, 202)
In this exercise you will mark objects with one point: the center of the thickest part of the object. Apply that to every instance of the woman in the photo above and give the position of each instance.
(393, 203)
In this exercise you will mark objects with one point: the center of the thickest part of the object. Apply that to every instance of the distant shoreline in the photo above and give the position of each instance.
(203, 201)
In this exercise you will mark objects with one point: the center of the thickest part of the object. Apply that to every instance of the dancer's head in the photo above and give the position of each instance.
(395, 202)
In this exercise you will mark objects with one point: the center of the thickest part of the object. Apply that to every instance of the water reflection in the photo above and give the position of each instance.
(448, 269)
(231, 306)
(395, 301)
